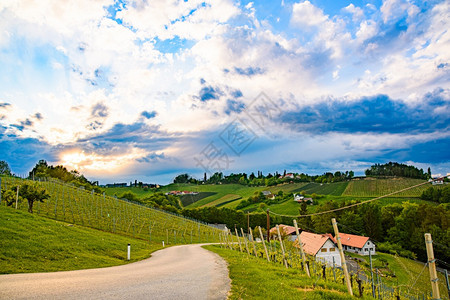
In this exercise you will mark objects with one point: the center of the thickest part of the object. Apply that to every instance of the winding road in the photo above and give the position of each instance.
(180, 272)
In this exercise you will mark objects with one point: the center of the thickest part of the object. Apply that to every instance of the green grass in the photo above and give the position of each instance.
(335, 189)
(30, 243)
(77, 206)
(117, 191)
(371, 187)
(224, 200)
(255, 278)
(407, 272)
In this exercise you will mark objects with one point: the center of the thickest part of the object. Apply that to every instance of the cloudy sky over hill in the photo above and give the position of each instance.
(149, 89)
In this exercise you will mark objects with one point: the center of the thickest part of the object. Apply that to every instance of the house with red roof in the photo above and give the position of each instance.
(361, 245)
(321, 247)
(285, 230)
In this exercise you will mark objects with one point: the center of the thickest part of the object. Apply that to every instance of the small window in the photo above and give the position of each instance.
(332, 249)
(323, 250)
(371, 249)
(365, 249)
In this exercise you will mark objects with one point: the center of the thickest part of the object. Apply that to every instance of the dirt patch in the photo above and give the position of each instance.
(312, 289)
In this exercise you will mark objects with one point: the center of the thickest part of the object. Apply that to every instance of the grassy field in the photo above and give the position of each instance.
(30, 243)
(230, 195)
(335, 189)
(68, 203)
(403, 272)
(371, 187)
(255, 278)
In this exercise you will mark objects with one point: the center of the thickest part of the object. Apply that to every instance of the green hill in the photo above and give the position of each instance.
(31, 243)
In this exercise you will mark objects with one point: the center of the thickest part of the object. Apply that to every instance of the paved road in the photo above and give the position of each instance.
(181, 272)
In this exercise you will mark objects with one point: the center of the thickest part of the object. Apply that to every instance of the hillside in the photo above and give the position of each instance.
(230, 195)
(31, 243)
(68, 203)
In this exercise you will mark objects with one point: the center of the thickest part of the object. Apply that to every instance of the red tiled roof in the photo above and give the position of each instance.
(288, 230)
(312, 242)
(353, 240)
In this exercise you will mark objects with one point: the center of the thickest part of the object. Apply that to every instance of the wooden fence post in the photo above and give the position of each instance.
(432, 266)
(245, 241)
(341, 252)
(282, 247)
(264, 243)
(300, 245)
(239, 240)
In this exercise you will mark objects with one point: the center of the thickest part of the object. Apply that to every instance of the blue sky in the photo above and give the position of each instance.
(125, 90)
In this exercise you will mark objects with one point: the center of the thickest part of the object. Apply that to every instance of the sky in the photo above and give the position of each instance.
(145, 90)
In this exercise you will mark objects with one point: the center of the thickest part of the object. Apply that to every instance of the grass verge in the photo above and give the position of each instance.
(255, 278)
(31, 243)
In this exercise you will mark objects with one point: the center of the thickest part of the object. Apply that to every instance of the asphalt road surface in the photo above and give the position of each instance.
(181, 272)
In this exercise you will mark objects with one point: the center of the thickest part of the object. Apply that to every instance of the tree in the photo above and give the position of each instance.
(4, 168)
(33, 192)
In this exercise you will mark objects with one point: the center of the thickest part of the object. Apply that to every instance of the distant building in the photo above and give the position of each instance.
(286, 230)
(181, 193)
(321, 247)
(268, 194)
(301, 198)
(361, 245)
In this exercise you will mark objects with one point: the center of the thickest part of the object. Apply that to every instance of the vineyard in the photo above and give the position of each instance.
(379, 187)
(412, 280)
(77, 206)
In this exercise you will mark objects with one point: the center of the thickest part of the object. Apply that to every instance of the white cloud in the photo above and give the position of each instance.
(306, 14)
(356, 12)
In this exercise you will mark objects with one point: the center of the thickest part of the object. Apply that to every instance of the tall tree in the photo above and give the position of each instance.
(4, 168)
(33, 193)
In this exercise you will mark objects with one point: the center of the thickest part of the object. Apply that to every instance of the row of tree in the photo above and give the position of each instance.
(396, 169)
(437, 194)
(396, 228)
(43, 170)
(265, 180)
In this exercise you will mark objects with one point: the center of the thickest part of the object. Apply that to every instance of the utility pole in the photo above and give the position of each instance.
(300, 245)
(268, 226)
(341, 252)
(432, 266)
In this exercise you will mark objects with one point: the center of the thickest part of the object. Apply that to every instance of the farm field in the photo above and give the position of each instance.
(31, 243)
(77, 206)
(371, 187)
(402, 271)
(255, 278)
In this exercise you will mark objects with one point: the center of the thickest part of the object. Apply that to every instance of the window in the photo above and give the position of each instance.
(365, 249)
(332, 249)
(323, 250)
(371, 249)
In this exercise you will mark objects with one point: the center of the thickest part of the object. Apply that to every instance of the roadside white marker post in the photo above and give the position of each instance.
(128, 252)
(163, 244)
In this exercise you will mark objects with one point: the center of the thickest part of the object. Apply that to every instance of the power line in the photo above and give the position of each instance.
(352, 205)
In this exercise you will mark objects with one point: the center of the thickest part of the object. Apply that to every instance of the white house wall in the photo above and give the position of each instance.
(327, 256)
(362, 251)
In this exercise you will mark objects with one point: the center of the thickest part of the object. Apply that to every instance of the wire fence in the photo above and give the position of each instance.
(366, 279)
(75, 205)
